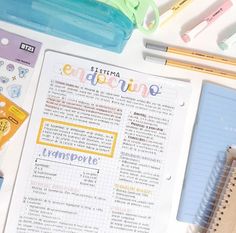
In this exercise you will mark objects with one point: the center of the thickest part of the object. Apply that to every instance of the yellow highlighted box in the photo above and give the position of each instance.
(75, 137)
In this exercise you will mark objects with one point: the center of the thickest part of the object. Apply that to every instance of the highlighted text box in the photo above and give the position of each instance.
(77, 137)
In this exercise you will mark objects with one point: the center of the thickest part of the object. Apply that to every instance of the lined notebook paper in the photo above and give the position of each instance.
(215, 129)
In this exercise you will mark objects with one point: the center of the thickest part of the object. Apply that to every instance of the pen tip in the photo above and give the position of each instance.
(186, 38)
(223, 46)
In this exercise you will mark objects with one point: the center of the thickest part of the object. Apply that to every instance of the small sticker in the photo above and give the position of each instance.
(14, 91)
(4, 79)
(10, 67)
(4, 41)
(27, 47)
(5, 126)
(22, 71)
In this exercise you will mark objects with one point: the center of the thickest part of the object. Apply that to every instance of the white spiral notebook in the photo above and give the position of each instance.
(217, 214)
(223, 219)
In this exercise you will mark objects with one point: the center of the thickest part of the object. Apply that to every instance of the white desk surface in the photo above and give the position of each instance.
(131, 57)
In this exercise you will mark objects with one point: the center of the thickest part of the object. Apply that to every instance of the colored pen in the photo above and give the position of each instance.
(194, 32)
(190, 53)
(189, 66)
(228, 42)
(174, 10)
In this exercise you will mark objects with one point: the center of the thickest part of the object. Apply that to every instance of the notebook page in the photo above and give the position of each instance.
(98, 150)
(215, 129)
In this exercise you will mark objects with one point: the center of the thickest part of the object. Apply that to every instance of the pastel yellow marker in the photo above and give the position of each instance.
(180, 5)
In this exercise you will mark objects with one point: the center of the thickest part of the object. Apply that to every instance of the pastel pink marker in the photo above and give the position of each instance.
(194, 32)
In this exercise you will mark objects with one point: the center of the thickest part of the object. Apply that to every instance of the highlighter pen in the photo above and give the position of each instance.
(190, 53)
(174, 10)
(194, 32)
(190, 66)
(228, 42)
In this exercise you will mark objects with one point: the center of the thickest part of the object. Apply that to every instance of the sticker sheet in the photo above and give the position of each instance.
(18, 56)
(11, 118)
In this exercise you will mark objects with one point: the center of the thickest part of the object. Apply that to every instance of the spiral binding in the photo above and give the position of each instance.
(211, 192)
(217, 195)
(224, 201)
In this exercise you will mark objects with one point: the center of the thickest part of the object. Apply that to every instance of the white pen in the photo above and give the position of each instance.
(228, 42)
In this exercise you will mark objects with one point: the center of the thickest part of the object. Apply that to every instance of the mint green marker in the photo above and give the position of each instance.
(228, 42)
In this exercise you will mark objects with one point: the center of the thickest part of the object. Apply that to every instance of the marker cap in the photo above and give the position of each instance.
(228, 42)
(223, 45)
(158, 47)
(190, 35)
(155, 59)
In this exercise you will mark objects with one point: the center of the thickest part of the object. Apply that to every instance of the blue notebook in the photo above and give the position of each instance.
(215, 129)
